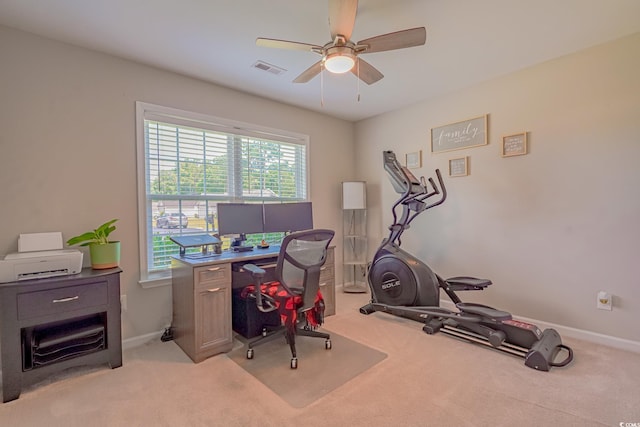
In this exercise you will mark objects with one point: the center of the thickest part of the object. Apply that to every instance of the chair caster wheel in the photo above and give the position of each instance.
(327, 344)
(294, 363)
(250, 353)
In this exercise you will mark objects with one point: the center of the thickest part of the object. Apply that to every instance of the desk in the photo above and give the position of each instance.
(202, 289)
(74, 309)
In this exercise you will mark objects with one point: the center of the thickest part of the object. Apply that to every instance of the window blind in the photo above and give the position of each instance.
(192, 162)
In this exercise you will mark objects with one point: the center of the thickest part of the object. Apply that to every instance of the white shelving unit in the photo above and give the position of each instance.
(354, 231)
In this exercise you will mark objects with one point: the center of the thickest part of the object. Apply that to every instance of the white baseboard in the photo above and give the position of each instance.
(581, 334)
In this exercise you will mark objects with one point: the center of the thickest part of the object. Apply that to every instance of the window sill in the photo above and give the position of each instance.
(156, 279)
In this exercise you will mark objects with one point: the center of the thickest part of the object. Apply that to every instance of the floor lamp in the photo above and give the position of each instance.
(354, 231)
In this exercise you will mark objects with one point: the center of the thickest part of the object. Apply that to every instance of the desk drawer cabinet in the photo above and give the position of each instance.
(202, 309)
(213, 309)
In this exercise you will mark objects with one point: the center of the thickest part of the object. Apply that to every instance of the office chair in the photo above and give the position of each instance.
(296, 291)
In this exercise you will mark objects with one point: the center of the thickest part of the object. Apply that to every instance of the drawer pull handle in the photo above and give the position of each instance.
(213, 290)
(214, 268)
(323, 268)
(66, 299)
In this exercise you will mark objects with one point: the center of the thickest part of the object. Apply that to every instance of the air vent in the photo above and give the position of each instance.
(261, 65)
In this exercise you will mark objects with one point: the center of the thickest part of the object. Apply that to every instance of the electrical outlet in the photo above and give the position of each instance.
(604, 301)
(123, 302)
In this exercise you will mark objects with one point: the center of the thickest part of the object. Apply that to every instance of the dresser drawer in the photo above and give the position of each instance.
(212, 275)
(61, 300)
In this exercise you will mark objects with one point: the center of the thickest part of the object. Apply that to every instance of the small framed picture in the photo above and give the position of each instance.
(514, 145)
(458, 167)
(414, 160)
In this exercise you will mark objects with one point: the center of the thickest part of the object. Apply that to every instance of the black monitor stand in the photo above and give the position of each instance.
(198, 240)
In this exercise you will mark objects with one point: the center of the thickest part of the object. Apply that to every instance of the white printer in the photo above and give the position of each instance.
(40, 255)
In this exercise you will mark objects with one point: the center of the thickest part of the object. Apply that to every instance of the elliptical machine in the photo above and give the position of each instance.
(404, 286)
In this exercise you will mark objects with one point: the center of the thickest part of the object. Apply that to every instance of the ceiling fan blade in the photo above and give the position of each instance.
(309, 73)
(366, 72)
(392, 41)
(285, 44)
(342, 17)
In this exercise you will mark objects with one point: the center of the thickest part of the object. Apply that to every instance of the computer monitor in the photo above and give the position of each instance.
(284, 217)
(239, 218)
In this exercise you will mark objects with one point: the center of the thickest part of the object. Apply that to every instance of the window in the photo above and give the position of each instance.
(188, 162)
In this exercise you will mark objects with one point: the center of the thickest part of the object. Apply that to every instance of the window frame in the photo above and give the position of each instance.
(148, 111)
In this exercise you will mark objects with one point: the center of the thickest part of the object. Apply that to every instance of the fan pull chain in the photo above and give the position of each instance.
(322, 85)
(358, 71)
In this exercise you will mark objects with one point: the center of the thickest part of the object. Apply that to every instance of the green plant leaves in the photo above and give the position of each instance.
(98, 236)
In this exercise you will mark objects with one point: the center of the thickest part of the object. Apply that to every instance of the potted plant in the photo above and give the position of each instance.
(104, 253)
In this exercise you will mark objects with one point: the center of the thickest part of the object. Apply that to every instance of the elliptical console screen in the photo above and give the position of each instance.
(395, 171)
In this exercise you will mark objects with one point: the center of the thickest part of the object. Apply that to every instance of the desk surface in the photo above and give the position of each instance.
(230, 256)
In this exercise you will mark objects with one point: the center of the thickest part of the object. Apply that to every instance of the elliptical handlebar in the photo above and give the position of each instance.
(413, 192)
(442, 190)
(433, 185)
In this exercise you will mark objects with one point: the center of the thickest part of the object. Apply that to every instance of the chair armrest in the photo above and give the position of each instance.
(255, 271)
(264, 302)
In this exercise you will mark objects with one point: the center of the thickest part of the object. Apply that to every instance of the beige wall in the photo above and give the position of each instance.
(67, 149)
(550, 228)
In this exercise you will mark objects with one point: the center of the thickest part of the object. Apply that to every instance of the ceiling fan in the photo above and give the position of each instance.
(341, 55)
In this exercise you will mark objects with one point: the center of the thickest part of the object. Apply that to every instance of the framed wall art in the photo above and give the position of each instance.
(514, 145)
(414, 160)
(458, 167)
(464, 134)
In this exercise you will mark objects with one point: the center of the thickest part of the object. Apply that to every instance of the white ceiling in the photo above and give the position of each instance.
(468, 41)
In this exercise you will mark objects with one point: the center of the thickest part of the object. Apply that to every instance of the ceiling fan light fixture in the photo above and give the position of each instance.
(339, 60)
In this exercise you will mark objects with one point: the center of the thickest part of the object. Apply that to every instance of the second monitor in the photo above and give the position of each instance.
(287, 217)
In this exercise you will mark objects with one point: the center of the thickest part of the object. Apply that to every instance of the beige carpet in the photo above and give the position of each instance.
(319, 371)
(424, 381)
